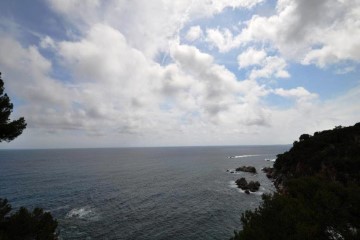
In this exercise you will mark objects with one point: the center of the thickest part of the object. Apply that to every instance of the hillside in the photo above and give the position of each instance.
(331, 154)
(318, 197)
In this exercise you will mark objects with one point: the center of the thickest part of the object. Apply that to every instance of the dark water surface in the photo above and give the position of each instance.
(136, 193)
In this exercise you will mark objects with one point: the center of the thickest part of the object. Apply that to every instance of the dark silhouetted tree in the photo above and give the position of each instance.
(9, 130)
(319, 191)
(24, 224)
(304, 137)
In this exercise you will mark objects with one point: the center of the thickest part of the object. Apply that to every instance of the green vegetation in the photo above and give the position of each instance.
(9, 130)
(318, 191)
(333, 154)
(22, 224)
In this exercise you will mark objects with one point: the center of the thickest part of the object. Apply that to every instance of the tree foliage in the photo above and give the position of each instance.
(320, 191)
(314, 208)
(9, 130)
(24, 224)
(334, 154)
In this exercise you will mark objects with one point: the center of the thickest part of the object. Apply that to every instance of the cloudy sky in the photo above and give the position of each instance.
(117, 73)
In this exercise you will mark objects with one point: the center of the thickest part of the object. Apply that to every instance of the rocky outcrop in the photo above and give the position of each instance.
(253, 186)
(248, 187)
(249, 169)
(241, 183)
(269, 172)
(277, 178)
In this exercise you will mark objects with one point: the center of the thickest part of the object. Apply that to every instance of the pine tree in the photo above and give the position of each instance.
(9, 130)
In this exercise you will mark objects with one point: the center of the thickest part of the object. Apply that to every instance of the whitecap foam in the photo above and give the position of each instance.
(270, 159)
(86, 213)
(259, 193)
(244, 156)
(232, 184)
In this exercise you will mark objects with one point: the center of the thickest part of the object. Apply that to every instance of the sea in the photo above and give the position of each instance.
(138, 193)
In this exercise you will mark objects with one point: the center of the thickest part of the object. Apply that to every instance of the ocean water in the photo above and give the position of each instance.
(137, 193)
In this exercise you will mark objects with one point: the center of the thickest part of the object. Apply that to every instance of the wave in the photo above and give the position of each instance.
(244, 156)
(232, 184)
(270, 159)
(85, 213)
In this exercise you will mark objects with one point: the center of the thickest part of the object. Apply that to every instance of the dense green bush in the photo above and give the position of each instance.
(24, 224)
(9, 130)
(319, 196)
(332, 153)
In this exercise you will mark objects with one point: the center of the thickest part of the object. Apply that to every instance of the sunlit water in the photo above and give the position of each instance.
(137, 193)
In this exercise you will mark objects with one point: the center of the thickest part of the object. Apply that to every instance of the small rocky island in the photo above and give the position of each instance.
(242, 183)
(249, 169)
(248, 187)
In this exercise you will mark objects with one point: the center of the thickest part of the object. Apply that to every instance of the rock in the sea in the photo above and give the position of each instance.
(241, 183)
(250, 169)
(252, 186)
(269, 171)
(247, 191)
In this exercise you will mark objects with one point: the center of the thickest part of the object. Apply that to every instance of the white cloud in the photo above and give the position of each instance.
(222, 39)
(194, 33)
(47, 42)
(27, 71)
(272, 66)
(251, 57)
(84, 11)
(221, 4)
(147, 25)
(300, 94)
(310, 116)
(263, 66)
(311, 32)
(221, 95)
(116, 90)
(102, 55)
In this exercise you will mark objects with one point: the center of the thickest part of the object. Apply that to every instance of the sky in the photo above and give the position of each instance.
(120, 73)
